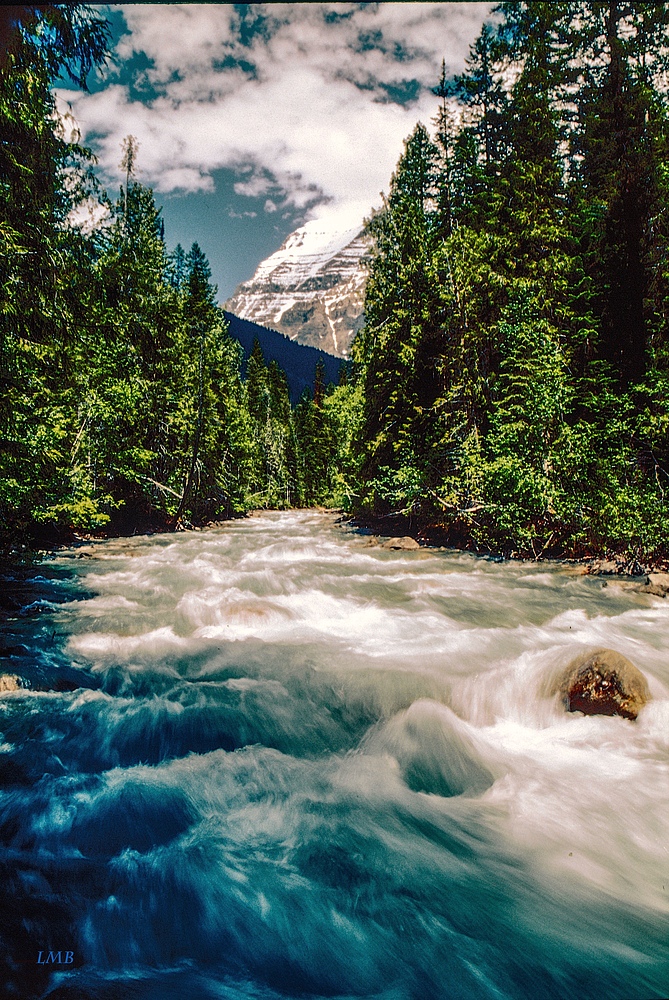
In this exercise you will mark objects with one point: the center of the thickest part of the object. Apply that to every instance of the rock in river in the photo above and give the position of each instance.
(11, 682)
(604, 683)
(406, 542)
(657, 584)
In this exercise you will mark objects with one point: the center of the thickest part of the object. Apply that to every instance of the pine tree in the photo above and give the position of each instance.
(275, 444)
(177, 267)
(256, 384)
(45, 266)
(621, 137)
(445, 139)
(543, 298)
(480, 145)
(200, 315)
(396, 348)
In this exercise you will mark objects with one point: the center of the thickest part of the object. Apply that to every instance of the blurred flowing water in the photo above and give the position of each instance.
(303, 766)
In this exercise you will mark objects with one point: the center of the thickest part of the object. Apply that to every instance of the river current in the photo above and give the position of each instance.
(285, 762)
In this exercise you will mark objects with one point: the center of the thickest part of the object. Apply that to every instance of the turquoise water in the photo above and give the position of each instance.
(304, 766)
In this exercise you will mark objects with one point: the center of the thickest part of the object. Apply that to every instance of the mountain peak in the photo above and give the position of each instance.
(312, 289)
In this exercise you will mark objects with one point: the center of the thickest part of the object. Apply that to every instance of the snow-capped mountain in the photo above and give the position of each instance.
(311, 289)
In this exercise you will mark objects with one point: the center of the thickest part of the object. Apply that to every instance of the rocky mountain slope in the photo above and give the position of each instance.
(311, 289)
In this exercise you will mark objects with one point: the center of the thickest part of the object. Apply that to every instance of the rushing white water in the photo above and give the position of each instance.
(305, 766)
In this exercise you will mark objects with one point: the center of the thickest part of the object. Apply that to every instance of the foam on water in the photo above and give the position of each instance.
(309, 767)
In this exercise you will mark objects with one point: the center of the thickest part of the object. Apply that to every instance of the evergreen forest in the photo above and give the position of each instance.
(123, 403)
(510, 387)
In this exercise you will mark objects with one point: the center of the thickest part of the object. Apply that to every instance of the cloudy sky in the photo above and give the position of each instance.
(254, 118)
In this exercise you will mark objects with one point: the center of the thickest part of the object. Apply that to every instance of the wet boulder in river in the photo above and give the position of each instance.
(604, 683)
(405, 543)
(657, 584)
(11, 682)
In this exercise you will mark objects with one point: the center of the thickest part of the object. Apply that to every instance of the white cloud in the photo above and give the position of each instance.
(257, 184)
(297, 101)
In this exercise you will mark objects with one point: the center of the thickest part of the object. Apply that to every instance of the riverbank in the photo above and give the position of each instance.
(30, 545)
(427, 532)
(47, 540)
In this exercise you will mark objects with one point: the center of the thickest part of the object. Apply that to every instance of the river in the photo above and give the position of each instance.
(299, 765)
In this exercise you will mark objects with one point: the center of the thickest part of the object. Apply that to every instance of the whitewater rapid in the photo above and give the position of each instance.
(301, 765)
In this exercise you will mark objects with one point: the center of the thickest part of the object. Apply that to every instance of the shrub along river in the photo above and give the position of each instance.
(284, 762)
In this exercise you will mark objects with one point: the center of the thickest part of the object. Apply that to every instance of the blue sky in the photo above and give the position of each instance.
(254, 118)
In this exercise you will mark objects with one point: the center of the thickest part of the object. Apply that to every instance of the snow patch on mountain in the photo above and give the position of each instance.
(312, 289)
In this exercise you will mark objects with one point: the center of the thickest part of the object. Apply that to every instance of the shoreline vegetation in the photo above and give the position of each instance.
(381, 531)
(508, 393)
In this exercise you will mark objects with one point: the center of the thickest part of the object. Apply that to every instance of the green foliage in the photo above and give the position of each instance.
(274, 476)
(44, 266)
(512, 378)
(123, 399)
(343, 410)
(514, 362)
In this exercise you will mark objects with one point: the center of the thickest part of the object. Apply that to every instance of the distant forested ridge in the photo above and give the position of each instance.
(298, 361)
(123, 405)
(514, 364)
